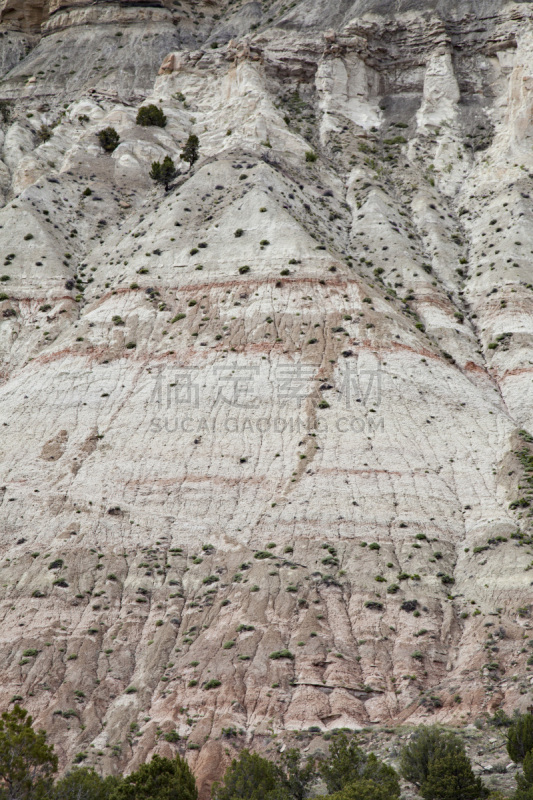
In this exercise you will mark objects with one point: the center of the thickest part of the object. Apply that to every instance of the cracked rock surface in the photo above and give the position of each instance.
(266, 454)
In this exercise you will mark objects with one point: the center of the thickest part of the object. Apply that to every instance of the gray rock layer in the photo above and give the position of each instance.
(266, 459)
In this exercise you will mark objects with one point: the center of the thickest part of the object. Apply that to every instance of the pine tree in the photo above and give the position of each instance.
(520, 738)
(250, 777)
(159, 779)
(348, 765)
(27, 762)
(297, 778)
(450, 777)
(344, 765)
(163, 172)
(363, 789)
(190, 151)
(83, 783)
(427, 743)
(524, 782)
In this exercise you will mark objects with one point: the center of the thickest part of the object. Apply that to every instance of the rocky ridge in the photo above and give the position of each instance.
(266, 451)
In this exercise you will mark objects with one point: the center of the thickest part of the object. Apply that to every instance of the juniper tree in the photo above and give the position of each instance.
(190, 151)
(163, 172)
(27, 761)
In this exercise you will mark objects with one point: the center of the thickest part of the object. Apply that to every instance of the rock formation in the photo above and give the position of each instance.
(266, 447)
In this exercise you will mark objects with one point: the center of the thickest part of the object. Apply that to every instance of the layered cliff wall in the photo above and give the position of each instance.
(266, 438)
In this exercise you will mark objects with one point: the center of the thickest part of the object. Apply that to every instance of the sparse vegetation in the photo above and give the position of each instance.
(151, 115)
(109, 139)
(190, 152)
(163, 172)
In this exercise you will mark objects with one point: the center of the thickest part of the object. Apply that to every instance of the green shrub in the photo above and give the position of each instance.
(310, 156)
(396, 140)
(159, 779)
(348, 765)
(450, 777)
(520, 738)
(44, 133)
(27, 761)
(190, 151)
(212, 684)
(281, 654)
(151, 115)
(6, 107)
(249, 777)
(427, 744)
(163, 172)
(109, 139)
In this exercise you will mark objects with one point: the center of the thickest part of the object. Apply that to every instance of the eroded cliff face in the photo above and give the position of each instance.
(266, 452)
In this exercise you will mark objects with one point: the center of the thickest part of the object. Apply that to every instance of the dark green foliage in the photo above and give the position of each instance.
(160, 779)
(27, 762)
(190, 151)
(44, 133)
(427, 744)
(109, 139)
(524, 782)
(83, 784)
(296, 778)
(250, 777)
(501, 719)
(6, 109)
(281, 654)
(348, 764)
(436, 762)
(450, 777)
(151, 115)
(520, 738)
(396, 140)
(163, 172)
(363, 789)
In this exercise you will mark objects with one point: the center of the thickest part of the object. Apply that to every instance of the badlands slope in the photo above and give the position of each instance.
(284, 408)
